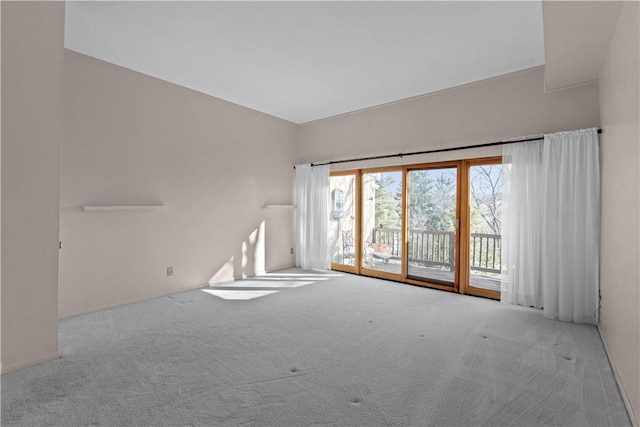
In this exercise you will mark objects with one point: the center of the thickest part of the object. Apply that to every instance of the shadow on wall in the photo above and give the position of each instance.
(248, 261)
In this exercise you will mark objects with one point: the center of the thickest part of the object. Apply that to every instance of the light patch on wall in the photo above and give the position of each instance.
(257, 239)
(249, 258)
(253, 253)
(224, 274)
(229, 294)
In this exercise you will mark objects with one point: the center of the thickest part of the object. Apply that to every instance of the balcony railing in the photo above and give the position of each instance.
(430, 248)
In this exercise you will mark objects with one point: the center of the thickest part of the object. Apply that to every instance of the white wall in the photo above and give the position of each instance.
(620, 250)
(130, 139)
(491, 110)
(32, 56)
(510, 106)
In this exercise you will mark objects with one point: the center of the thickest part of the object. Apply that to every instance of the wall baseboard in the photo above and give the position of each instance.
(623, 392)
(147, 298)
(5, 369)
(278, 268)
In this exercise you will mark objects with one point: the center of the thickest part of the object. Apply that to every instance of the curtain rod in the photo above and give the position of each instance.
(438, 150)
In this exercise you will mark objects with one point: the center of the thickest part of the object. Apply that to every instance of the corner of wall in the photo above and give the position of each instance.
(32, 42)
(620, 228)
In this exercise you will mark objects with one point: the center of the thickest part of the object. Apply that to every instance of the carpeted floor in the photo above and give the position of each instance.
(323, 349)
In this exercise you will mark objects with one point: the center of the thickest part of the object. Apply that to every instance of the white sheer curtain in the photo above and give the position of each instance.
(521, 224)
(551, 225)
(312, 200)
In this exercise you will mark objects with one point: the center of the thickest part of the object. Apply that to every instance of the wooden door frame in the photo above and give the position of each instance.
(466, 287)
(356, 228)
(361, 268)
(457, 253)
(463, 214)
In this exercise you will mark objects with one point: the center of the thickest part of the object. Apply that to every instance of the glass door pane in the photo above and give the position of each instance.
(382, 221)
(342, 220)
(485, 200)
(432, 210)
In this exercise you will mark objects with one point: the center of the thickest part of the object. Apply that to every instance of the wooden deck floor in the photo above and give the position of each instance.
(393, 266)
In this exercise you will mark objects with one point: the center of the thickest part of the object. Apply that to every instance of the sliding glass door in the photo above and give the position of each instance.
(432, 224)
(485, 226)
(435, 225)
(381, 239)
(343, 220)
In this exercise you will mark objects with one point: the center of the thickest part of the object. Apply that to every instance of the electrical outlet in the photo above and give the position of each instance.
(291, 251)
(169, 271)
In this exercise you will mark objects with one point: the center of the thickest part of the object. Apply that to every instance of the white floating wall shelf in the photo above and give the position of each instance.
(110, 208)
(280, 206)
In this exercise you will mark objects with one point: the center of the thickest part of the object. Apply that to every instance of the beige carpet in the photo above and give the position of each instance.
(298, 349)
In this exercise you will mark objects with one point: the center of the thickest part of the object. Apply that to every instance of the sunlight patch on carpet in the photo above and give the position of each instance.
(288, 276)
(249, 283)
(238, 294)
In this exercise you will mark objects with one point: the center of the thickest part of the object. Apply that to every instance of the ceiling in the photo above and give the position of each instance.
(305, 61)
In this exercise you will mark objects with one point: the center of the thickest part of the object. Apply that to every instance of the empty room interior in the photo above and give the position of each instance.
(320, 213)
